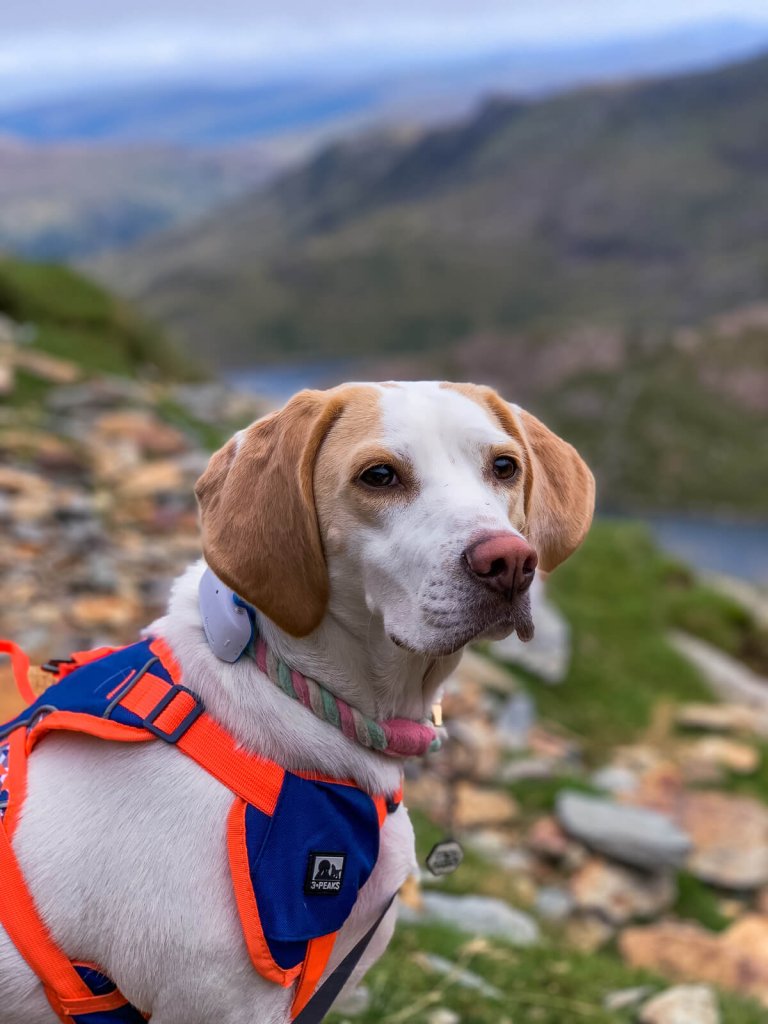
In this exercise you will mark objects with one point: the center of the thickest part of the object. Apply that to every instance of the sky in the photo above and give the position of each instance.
(67, 44)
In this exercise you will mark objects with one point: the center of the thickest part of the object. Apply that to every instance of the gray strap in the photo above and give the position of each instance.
(321, 1002)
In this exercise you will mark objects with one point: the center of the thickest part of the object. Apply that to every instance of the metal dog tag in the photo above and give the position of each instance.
(445, 857)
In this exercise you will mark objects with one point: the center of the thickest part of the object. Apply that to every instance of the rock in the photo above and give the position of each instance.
(46, 367)
(548, 654)
(547, 840)
(625, 998)
(477, 915)
(464, 978)
(142, 428)
(615, 779)
(728, 678)
(473, 748)
(588, 932)
(632, 835)
(621, 894)
(730, 839)
(736, 960)
(529, 768)
(719, 752)
(353, 1003)
(474, 668)
(723, 718)
(152, 479)
(474, 806)
(103, 611)
(553, 904)
(442, 1015)
(7, 380)
(686, 1004)
(515, 722)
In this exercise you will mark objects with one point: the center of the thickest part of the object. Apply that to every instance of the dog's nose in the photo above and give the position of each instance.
(503, 561)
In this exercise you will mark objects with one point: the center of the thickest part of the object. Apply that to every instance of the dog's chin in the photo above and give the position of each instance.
(486, 624)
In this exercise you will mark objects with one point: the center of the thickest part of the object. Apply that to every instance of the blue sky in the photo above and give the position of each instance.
(75, 43)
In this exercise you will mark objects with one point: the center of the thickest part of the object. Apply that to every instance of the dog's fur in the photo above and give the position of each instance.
(366, 590)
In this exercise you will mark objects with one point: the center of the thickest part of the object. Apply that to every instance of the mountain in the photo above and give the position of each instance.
(69, 200)
(216, 106)
(632, 206)
(589, 254)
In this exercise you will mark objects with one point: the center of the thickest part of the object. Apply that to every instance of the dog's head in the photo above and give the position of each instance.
(428, 505)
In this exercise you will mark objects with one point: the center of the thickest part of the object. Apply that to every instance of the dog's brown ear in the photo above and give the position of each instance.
(257, 509)
(560, 493)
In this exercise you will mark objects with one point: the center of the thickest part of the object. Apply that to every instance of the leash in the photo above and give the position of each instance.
(323, 999)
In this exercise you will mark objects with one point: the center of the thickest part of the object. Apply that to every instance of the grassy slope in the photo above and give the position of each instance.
(75, 319)
(620, 595)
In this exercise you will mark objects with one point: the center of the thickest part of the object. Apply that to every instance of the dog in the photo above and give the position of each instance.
(376, 529)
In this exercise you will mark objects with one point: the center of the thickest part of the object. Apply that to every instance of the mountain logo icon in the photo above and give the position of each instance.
(325, 873)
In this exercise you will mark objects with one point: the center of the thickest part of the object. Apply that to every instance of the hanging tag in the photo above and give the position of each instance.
(445, 857)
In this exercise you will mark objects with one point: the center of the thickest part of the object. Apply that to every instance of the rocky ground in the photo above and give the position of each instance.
(608, 782)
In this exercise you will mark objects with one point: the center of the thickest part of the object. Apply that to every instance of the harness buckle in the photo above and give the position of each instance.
(189, 719)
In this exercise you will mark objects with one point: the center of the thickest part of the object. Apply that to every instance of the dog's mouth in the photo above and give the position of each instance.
(488, 623)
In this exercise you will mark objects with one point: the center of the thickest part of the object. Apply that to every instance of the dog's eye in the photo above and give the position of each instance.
(504, 467)
(379, 476)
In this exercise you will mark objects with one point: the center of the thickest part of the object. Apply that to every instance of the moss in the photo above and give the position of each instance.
(698, 902)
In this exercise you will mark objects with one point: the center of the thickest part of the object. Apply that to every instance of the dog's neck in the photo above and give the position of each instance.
(363, 668)
(356, 662)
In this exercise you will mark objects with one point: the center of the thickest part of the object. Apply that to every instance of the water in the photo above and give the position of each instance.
(735, 549)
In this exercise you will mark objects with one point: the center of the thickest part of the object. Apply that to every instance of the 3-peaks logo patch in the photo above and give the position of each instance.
(325, 873)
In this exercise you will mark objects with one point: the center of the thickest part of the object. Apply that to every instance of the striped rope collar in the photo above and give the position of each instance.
(398, 737)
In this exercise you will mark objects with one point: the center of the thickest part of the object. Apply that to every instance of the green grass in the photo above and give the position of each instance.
(613, 593)
(696, 901)
(541, 985)
(76, 319)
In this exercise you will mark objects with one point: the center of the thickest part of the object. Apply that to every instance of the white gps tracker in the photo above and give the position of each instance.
(226, 621)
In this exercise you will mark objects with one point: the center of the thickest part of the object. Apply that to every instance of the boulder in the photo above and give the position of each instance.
(685, 1004)
(477, 915)
(631, 835)
(621, 894)
(548, 654)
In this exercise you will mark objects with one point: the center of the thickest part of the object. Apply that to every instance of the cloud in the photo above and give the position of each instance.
(49, 44)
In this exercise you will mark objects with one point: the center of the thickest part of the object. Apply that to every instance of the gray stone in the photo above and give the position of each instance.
(353, 1003)
(548, 654)
(729, 679)
(478, 915)
(684, 1004)
(553, 904)
(632, 835)
(615, 779)
(514, 724)
(529, 768)
(464, 978)
(624, 998)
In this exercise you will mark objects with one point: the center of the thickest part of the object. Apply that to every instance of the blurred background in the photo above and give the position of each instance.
(204, 209)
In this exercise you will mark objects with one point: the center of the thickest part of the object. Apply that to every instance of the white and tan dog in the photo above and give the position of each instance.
(377, 529)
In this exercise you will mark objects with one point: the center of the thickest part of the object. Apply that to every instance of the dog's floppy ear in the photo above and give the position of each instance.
(257, 509)
(560, 493)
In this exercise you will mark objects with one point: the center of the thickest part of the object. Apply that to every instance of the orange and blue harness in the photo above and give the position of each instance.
(300, 847)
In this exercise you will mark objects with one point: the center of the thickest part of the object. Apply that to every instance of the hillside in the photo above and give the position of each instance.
(630, 205)
(544, 247)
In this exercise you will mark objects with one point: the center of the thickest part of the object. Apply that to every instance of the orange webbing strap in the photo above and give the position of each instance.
(318, 954)
(66, 990)
(20, 666)
(254, 779)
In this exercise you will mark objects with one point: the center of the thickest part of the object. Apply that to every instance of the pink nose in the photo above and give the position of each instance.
(503, 561)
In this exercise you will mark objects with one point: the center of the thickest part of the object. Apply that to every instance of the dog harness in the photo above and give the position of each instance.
(300, 846)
